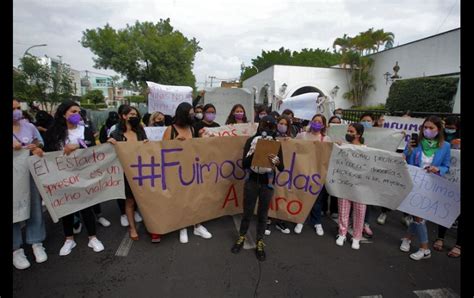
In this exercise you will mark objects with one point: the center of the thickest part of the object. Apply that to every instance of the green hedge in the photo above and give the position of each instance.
(369, 108)
(423, 95)
(92, 106)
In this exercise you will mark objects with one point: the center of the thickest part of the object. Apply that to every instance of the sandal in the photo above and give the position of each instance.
(438, 244)
(455, 252)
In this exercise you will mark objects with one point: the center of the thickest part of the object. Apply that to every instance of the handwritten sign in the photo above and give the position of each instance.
(86, 177)
(408, 125)
(181, 183)
(433, 198)
(155, 133)
(21, 186)
(304, 106)
(374, 137)
(165, 98)
(369, 176)
(232, 130)
(454, 173)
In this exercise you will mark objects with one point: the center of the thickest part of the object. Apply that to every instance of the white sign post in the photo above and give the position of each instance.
(165, 99)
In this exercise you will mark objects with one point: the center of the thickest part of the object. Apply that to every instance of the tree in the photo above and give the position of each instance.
(94, 96)
(307, 57)
(144, 52)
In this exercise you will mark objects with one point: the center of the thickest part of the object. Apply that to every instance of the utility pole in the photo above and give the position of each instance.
(212, 78)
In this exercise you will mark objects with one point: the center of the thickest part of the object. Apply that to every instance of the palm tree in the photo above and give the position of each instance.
(381, 37)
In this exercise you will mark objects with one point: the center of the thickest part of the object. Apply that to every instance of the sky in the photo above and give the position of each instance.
(229, 32)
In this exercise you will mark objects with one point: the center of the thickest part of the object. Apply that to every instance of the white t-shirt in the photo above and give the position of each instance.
(426, 161)
(111, 129)
(74, 135)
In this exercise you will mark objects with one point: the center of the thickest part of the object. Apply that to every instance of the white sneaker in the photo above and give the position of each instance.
(19, 259)
(67, 247)
(40, 254)
(78, 230)
(95, 244)
(355, 244)
(298, 228)
(340, 240)
(382, 218)
(138, 218)
(183, 235)
(421, 254)
(267, 232)
(124, 220)
(319, 229)
(405, 246)
(104, 222)
(200, 230)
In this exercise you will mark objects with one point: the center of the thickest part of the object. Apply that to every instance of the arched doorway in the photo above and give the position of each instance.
(307, 89)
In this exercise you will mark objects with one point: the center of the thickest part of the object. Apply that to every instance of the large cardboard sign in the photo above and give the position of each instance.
(369, 176)
(69, 183)
(231, 130)
(165, 98)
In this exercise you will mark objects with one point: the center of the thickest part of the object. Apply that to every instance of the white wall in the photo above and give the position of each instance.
(437, 55)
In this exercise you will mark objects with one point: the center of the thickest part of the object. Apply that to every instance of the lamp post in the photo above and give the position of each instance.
(34, 46)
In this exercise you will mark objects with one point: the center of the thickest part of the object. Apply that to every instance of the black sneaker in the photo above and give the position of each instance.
(238, 245)
(259, 251)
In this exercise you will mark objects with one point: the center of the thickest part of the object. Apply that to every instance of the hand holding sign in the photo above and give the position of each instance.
(265, 152)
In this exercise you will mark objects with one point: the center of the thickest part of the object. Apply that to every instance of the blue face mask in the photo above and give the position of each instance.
(366, 124)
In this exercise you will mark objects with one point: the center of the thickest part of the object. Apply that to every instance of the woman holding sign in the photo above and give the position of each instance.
(354, 137)
(432, 153)
(259, 184)
(68, 136)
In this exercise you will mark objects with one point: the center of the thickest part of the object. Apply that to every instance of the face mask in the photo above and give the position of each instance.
(260, 116)
(350, 138)
(450, 131)
(159, 123)
(366, 124)
(198, 116)
(17, 115)
(209, 117)
(429, 134)
(282, 128)
(134, 121)
(239, 116)
(339, 116)
(74, 119)
(316, 126)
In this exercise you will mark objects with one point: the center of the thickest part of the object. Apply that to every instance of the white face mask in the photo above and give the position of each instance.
(198, 116)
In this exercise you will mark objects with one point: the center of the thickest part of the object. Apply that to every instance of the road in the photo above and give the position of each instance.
(304, 265)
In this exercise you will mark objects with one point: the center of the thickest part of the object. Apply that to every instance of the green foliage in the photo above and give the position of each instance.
(38, 82)
(144, 52)
(92, 106)
(136, 98)
(369, 108)
(423, 95)
(93, 96)
(307, 57)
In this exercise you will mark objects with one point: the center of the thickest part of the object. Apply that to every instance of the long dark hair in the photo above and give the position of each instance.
(231, 118)
(57, 134)
(181, 117)
(122, 122)
(439, 124)
(325, 123)
(359, 129)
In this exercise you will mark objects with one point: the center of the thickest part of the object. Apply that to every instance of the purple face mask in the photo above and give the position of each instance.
(209, 117)
(17, 115)
(316, 126)
(282, 128)
(429, 134)
(74, 119)
(239, 116)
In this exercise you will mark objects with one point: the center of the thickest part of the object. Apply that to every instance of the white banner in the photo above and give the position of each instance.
(433, 198)
(406, 124)
(21, 186)
(368, 176)
(155, 133)
(165, 98)
(304, 106)
(242, 129)
(454, 173)
(86, 177)
(375, 137)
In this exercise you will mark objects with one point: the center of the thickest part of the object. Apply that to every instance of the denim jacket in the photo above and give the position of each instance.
(441, 159)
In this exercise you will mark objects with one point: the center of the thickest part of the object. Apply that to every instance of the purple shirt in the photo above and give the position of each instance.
(27, 134)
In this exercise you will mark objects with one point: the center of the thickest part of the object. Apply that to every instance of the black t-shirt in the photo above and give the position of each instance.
(201, 124)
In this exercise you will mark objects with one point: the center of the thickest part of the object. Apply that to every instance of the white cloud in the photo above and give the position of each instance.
(230, 32)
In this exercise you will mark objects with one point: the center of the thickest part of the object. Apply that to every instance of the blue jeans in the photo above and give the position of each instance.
(419, 230)
(315, 215)
(35, 227)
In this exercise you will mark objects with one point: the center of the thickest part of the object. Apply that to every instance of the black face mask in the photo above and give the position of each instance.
(350, 138)
(134, 121)
(159, 123)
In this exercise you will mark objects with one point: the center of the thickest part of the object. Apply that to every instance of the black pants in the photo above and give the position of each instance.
(252, 190)
(442, 232)
(88, 218)
(121, 205)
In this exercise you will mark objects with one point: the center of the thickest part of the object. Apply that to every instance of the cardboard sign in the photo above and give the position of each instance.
(86, 177)
(231, 130)
(263, 149)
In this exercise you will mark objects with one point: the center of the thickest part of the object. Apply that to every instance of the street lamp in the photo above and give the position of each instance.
(34, 46)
